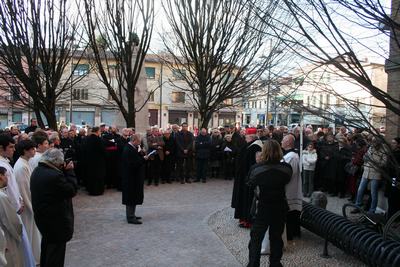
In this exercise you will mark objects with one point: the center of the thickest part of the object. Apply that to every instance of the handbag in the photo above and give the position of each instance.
(351, 169)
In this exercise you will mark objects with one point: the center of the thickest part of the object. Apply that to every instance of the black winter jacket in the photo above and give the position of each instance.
(203, 146)
(271, 179)
(52, 191)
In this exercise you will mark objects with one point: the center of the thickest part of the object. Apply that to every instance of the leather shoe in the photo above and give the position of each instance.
(135, 221)
(138, 218)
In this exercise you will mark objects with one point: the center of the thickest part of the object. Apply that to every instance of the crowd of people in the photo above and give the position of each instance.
(273, 168)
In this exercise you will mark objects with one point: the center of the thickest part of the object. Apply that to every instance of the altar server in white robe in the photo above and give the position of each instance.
(294, 191)
(42, 144)
(22, 172)
(7, 149)
(11, 225)
(3, 261)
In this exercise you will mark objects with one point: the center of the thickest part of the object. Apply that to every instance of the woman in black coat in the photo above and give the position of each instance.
(133, 173)
(270, 177)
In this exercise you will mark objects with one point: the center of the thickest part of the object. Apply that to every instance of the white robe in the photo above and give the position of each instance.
(12, 227)
(34, 162)
(3, 261)
(19, 252)
(294, 191)
(12, 188)
(22, 172)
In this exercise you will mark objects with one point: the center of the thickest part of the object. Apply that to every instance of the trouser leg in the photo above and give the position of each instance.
(257, 234)
(188, 168)
(293, 224)
(130, 212)
(52, 254)
(374, 195)
(360, 191)
(277, 225)
(198, 169)
(179, 169)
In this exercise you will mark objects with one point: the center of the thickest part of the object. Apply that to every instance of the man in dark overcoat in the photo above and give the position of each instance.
(52, 187)
(203, 148)
(169, 156)
(133, 172)
(184, 153)
(94, 161)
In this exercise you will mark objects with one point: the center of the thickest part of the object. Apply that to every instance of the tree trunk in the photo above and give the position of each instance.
(205, 119)
(52, 121)
(39, 118)
(130, 119)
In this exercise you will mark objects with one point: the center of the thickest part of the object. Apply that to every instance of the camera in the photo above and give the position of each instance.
(67, 160)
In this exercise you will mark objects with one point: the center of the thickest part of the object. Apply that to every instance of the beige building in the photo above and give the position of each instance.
(92, 104)
(168, 104)
(393, 70)
(336, 97)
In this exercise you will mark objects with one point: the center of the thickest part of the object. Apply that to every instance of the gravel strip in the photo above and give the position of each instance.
(303, 252)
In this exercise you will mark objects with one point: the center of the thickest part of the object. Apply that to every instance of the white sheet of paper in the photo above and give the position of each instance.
(152, 152)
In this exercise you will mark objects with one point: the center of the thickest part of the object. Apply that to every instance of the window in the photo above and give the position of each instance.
(339, 102)
(80, 94)
(178, 74)
(15, 93)
(321, 100)
(80, 69)
(228, 102)
(113, 70)
(178, 97)
(150, 72)
(151, 96)
(327, 77)
(328, 101)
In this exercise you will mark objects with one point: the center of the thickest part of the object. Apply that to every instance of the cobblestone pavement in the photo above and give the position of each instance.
(183, 225)
(174, 232)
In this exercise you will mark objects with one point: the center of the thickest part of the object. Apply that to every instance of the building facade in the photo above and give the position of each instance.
(392, 67)
(326, 96)
(92, 104)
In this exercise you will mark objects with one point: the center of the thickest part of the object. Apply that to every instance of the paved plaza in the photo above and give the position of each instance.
(183, 225)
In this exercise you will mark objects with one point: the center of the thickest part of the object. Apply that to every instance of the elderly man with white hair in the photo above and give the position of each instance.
(294, 191)
(53, 185)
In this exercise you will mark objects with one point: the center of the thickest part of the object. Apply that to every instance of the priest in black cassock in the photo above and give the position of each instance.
(242, 195)
(133, 173)
(93, 157)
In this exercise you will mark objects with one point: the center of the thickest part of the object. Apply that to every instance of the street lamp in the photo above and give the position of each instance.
(161, 88)
(70, 95)
(271, 53)
(72, 39)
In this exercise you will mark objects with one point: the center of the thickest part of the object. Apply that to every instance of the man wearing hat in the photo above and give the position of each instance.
(242, 195)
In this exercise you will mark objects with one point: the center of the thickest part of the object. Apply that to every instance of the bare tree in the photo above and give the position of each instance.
(36, 45)
(319, 38)
(215, 48)
(323, 35)
(119, 32)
